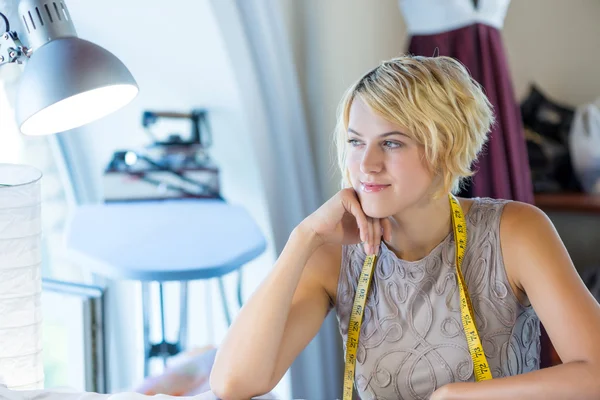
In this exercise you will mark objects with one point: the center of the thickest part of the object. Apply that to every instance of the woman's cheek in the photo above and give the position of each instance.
(353, 164)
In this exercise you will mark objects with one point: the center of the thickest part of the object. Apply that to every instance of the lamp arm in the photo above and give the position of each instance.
(12, 49)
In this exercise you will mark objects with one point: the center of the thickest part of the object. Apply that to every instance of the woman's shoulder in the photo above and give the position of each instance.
(524, 229)
(518, 215)
(514, 217)
(521, 220)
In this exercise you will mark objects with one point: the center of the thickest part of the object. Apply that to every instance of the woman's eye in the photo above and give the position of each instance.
(392, 145)
(354, 142)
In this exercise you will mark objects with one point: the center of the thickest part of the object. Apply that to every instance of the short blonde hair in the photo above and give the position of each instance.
(436, 100)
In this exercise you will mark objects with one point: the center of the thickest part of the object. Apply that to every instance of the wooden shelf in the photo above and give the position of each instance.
(568, 202)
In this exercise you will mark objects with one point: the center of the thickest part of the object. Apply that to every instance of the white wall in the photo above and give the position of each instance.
(176, 54)
(555, 43)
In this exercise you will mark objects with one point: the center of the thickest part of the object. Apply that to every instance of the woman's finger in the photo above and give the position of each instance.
(352, 205)
(370, 247)
(386, 226)
(376, 235)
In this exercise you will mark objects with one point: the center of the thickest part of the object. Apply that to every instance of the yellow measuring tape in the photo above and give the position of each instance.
(481, 367)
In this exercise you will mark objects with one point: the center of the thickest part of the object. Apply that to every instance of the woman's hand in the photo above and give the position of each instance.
(442, 393)
(342, 220)
(454, 391)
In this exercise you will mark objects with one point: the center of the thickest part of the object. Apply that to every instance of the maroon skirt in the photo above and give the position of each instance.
(502, 168)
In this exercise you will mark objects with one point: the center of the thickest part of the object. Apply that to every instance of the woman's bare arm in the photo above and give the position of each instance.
(278, 321)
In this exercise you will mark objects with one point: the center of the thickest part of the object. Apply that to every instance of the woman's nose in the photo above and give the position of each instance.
(371, 162)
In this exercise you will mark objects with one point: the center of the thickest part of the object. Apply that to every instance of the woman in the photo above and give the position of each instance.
(408, 132)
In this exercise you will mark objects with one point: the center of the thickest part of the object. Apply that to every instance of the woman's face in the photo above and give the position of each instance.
(387, 168)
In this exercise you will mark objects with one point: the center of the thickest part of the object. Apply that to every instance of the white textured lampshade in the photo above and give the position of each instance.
(21, 366)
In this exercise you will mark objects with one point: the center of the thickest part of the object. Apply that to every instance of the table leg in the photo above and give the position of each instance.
(183, 314)
(162, 349)
(239, 288)
(146, 311)
(162, 321)
(209, 319)
(224, 301)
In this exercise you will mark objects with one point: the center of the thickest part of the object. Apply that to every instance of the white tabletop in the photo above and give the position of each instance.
(68, 394)
(164, 240)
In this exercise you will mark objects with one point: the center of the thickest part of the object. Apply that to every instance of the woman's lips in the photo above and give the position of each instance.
(373, 188)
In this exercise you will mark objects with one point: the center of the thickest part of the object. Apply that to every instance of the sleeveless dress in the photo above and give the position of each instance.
(412, 340)
(472, 34)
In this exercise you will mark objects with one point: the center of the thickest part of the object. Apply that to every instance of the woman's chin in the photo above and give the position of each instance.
(373, 211)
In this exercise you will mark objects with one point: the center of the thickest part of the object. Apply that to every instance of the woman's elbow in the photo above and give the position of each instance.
(226, 387)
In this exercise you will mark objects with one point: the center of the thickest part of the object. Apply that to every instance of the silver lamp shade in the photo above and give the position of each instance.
(69, 82)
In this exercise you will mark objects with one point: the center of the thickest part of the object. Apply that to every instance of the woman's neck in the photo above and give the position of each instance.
(418, 230)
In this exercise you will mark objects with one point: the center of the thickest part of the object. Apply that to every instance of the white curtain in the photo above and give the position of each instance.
(260, 53)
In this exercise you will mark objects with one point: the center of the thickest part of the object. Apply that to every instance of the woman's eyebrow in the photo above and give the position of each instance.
(350, 130)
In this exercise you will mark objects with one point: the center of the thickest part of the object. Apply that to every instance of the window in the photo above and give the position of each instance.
(74, 335)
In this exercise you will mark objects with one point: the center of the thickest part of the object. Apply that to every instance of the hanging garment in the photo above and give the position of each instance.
(469, 31)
